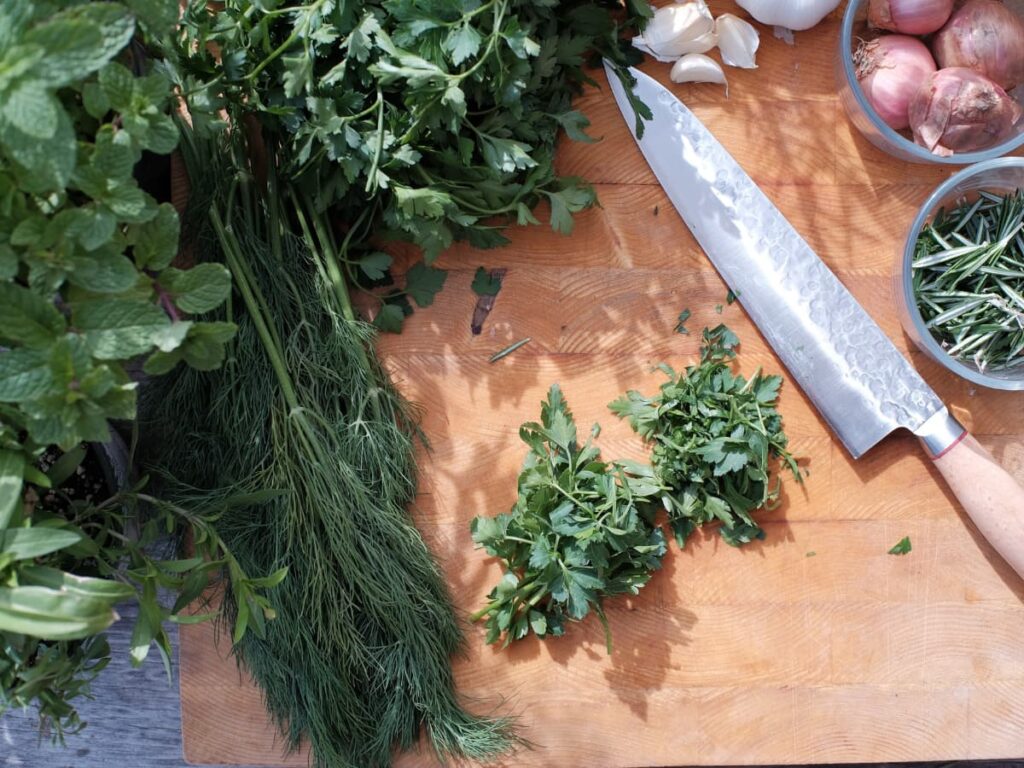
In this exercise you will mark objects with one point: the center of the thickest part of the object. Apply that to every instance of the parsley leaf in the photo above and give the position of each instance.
(422, 283)
(681, 325)
(714, 437)
(484, 284)
(902, 547)
(582, 530)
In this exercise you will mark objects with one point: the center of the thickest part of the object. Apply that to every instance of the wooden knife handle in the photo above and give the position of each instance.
(992, 498)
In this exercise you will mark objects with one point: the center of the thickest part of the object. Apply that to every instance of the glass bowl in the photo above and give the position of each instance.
(999, 176)
(870, 124)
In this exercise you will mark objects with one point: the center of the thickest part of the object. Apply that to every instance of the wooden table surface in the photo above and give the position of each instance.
(813, 646)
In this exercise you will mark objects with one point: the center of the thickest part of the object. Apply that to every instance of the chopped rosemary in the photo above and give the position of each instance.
(968, 280)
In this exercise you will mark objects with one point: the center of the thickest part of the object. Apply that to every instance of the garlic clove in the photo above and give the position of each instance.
(674, 28)
(698, 68)
(737, 40)
(791, 14)
(701, 44)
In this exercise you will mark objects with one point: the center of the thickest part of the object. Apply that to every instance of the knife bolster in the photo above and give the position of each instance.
(940, 433)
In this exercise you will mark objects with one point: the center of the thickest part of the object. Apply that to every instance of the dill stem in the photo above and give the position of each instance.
(273, 350)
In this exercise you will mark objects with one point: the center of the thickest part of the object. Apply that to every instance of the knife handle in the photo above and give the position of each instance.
(989, 494)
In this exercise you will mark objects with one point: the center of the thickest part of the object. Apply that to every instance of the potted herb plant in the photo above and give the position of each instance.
(87, 292)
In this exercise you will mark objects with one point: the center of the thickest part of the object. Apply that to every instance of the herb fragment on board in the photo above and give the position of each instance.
(714, 436)
(486, 283)
(509, 350)
(731, 296)
(968, 281)
(681, 325)
(902, 547)
(581, 530)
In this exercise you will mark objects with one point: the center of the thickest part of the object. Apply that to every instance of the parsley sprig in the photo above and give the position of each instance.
(714, 437)
(581, 530)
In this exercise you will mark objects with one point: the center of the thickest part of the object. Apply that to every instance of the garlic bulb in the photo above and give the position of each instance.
(674, 28)
(791, 14)
(737, 40)
(698, 68)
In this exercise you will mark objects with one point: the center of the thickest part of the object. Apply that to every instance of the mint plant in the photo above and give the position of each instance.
(86, 289)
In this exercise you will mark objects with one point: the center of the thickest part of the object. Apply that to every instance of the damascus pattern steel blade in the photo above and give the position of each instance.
(858, 380)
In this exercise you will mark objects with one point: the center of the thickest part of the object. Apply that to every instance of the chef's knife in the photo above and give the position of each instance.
(860, 383)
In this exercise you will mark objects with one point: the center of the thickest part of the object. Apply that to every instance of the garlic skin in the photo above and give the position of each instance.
(737, 40)
(698, 68)
(674, 28)
(797, 15)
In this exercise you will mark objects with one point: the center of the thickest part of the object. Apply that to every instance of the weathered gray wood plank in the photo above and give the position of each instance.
(134, 721)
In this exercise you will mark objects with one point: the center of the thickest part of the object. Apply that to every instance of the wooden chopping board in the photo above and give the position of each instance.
(813, 646)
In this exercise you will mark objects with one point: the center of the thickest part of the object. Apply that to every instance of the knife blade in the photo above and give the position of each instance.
(847, 366)
(859, 382)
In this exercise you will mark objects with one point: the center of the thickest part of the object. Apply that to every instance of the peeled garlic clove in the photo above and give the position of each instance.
(701, 44)
(698, 68)
(674, 28)
(791, 14)
(737, 40)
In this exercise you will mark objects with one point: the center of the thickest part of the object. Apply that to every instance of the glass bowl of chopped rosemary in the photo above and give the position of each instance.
(951, 92)
(961, 276)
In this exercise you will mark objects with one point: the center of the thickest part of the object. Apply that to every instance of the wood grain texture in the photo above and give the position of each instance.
(812, 646)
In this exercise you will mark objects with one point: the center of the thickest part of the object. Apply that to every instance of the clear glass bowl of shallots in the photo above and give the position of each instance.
(935, 81)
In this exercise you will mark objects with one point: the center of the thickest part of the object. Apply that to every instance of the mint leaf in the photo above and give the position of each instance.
(12, 467)
(422, 283)
(80, 41)
(484, 284)
(116, 329)
(8, 262)
(31, 109)
(91, 225)
(199, 289)
(103, 271)
(95, 100)
(112, 157)
(24, 374)
(117, 83)
(202, 348)
(47, 162)
(171, 337)
(28, 318)
(156, 241)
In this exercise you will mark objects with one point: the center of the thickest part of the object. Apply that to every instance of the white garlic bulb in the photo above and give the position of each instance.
(791, 14)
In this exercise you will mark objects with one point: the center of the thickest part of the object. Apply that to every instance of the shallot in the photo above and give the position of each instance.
(909, 17)
(985, 36)
(890, 70)
(960, 110)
